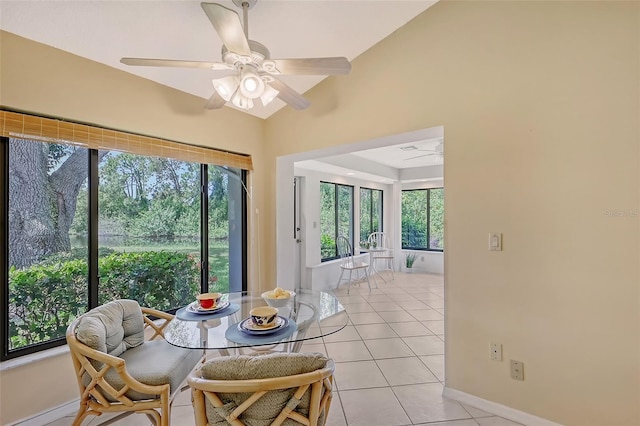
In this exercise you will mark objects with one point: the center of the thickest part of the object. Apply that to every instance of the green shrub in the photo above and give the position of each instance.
(45, 298)
(327, 246)
(161, 280)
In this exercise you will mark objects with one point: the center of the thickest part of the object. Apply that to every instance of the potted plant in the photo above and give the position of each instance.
(408, 261)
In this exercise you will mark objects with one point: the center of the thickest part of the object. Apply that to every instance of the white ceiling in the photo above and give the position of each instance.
(105, 31)
(407, 155)
(406, 162)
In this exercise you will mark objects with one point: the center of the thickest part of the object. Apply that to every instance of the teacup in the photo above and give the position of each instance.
(264, 316)
(208, 300)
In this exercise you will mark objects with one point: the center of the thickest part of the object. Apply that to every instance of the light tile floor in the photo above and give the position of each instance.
(389, 361)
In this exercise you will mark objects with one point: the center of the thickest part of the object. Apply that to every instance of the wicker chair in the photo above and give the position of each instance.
(263, 390)
(124, 365)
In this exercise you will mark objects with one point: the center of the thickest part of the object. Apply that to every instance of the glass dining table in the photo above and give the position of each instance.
(308, 315)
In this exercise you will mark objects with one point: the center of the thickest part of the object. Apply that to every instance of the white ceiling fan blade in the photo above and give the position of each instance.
(290, 96)
(215, 101)
(143, 62)
(314, 66)
(228, 26)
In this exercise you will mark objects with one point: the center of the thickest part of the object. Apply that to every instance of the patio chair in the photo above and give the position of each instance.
(124, 365)
(381, 241)
(347, 263)
(263, 390)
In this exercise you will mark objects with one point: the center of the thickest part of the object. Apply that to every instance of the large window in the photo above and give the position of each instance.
(370, 212)
(336, 217)
(423, 219)
(85, 226)
(48, 271)
(225, 252)
(148, 229)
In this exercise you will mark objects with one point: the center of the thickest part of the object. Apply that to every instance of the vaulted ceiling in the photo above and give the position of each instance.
(107, 30)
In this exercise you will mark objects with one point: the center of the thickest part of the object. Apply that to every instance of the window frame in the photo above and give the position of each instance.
(92, 245)
(428, 223)
(336, 231)
(381, 207)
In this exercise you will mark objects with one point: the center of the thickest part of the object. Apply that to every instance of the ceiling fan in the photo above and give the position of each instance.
(437, 151)
(253, 71)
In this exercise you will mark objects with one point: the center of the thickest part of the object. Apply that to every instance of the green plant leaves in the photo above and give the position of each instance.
(46, 297)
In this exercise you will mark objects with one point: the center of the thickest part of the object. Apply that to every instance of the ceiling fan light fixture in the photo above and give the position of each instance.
(268, 95)
(251, 85)
(242, 101)
(226, 86)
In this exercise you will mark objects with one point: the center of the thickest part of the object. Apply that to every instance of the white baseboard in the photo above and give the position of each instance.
(46, 417)
(497, 409)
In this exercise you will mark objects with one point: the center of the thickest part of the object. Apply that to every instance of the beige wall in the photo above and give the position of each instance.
(540, 106)
(42, 80)
(540, 103)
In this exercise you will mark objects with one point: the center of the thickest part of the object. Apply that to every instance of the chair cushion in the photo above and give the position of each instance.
(267, 408)
(156, 362)
(113, 327)
(117, 328)
(153, 363)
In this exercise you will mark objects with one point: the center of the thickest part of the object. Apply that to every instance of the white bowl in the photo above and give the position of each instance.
(277, 303)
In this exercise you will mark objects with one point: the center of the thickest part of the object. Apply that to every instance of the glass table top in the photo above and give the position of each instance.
(307, 315)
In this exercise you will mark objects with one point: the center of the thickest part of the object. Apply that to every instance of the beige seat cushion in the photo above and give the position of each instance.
(267, 408)
(156, 362)
(113, 327)
(117, 328)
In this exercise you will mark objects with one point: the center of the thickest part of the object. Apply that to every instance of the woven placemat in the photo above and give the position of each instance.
(184, 315)
(237, 336)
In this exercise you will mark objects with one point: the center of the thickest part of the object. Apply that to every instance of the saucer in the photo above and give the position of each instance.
(195, 308)
(249, 327)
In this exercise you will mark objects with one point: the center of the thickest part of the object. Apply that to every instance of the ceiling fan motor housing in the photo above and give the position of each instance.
(259, 53)
(260, 59)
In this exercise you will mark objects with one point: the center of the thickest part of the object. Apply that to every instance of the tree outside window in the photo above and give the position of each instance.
(48, 277)
(336, 217)
(370, 212)
(423, 219)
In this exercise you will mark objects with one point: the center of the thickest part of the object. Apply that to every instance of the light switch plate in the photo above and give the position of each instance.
(495, 241)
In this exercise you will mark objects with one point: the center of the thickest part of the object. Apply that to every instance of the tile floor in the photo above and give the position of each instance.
(389, 361)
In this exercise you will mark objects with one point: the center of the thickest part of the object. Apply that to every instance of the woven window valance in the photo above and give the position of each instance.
(25, 126)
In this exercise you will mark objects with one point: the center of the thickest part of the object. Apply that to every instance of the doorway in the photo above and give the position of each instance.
(336, 158)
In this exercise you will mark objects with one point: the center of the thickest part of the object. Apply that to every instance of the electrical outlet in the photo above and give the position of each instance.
(517, 370)
(495, 351)
(422, 258)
